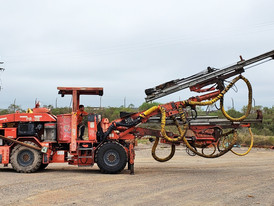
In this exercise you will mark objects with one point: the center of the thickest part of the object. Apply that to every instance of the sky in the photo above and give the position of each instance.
(129, 46)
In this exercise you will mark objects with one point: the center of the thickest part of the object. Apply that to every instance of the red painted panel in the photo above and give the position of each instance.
(34, 117)
(10, 132)
(73, 144)
(7, 118)
(59, 156)
(64, 128)
(92, 130)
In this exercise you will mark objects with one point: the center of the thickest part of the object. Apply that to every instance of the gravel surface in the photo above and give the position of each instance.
(184, 180)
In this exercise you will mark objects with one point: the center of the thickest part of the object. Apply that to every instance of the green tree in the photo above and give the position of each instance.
(131, 106)
(4, 111)
(14, 108)
(147, 105)
(48, 106)
(61, 110)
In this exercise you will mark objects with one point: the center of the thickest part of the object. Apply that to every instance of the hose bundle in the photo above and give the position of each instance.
(182, 131)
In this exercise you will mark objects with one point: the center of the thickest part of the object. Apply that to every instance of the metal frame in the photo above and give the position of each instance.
(209, 76)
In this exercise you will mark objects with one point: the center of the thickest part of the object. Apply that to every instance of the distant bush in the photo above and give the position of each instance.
(146, 105)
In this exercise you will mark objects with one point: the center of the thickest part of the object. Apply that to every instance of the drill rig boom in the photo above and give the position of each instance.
(206, 77)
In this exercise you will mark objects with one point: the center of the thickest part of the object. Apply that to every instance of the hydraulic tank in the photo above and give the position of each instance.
(64, 128)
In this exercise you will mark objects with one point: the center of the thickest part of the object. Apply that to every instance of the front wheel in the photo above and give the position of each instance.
(111, 157)
(24, 159)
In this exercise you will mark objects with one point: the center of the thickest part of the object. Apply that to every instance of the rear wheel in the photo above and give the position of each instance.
(24, 159)
(111, 157)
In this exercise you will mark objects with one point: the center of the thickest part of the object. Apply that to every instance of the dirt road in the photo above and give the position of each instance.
(185, 180)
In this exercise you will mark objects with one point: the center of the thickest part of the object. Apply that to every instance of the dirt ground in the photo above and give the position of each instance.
(185, 180)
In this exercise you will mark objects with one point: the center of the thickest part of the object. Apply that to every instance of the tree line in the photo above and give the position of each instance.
(265, 129)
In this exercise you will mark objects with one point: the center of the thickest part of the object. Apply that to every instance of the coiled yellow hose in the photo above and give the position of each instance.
(249, 105)
(153, 152)
(221, 95)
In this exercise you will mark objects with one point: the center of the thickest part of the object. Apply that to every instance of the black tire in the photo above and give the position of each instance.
(111, 158)
(24, 159)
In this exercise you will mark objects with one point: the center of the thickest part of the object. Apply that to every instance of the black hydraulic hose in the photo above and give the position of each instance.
(130, 124)
(110, 129)
(114, 125)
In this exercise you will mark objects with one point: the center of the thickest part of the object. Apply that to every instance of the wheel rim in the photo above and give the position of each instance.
(111, 158)
(25, 158)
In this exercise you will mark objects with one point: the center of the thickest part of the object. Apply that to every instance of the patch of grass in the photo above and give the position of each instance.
(259, 140)
(143, 141)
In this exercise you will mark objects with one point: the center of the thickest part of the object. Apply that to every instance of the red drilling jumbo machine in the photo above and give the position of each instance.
(32, 140)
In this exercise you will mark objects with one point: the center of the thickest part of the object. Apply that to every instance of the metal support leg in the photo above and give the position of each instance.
(131, 158)
(131, 167)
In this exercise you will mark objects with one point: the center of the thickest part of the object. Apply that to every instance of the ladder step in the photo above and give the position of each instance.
(85, 157)
(85, 148)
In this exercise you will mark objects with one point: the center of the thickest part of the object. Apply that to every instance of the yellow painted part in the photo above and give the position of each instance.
(29, 110)
(250, 146)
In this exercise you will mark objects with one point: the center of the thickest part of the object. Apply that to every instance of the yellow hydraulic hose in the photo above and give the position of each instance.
(250, 146)
(249, 105)
(182, 132)
(221, 95)
(212, 155)
(149, 111)
(163, 121)
(163, 124)
(153, 152)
